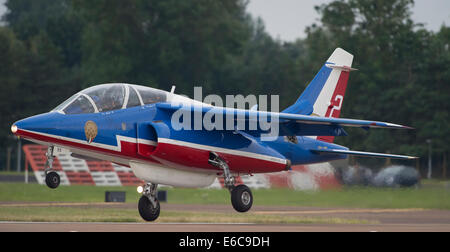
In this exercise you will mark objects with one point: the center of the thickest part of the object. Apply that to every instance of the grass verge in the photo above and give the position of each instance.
(355, 197)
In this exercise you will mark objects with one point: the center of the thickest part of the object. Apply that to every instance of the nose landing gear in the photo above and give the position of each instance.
(148, 206)
(52, 178)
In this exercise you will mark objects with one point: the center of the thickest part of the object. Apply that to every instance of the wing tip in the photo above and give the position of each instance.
(398, 126)
(363, 154)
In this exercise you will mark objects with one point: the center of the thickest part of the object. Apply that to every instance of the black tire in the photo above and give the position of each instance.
(241, 198)
(52, 180)
(146, 209)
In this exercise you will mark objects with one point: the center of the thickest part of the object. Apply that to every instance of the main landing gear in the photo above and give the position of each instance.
(241, 195)
(52, 178)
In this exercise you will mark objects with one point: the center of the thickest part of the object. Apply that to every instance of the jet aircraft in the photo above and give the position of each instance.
(133, 126)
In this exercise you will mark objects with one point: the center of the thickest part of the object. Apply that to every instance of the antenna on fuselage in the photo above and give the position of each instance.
(172, 91)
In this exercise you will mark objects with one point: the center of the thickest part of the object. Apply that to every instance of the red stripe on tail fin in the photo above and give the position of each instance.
(336, 102)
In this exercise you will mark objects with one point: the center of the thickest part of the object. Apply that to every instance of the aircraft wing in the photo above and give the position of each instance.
(289, 124)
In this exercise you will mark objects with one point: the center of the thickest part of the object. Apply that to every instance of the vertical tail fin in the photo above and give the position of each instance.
(324, 96)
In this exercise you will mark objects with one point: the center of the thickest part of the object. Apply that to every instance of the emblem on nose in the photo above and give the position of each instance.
(90, 130)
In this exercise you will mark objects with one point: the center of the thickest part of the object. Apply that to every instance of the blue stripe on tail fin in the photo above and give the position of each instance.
(305, 104)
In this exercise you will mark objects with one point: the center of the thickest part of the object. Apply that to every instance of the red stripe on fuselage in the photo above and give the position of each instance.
(198, 158)
(128, 149)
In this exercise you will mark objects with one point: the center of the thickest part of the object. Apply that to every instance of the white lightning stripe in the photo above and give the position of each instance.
(148, 142)
(223, 150)
(117, 147)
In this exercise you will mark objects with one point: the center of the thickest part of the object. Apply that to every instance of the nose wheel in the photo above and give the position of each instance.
(52, 178)
(148, 206)
(241, 195)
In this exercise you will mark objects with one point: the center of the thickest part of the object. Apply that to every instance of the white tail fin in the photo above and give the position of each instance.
(330, 99)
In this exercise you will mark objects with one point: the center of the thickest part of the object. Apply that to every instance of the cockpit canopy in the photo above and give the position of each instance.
(109, 97)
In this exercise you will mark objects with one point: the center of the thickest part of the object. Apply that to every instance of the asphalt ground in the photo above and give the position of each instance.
(383, 220)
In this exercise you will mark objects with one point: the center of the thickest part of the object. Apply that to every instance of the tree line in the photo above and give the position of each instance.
(52, 49)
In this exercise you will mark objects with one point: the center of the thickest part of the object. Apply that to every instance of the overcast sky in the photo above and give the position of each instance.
(287, 19)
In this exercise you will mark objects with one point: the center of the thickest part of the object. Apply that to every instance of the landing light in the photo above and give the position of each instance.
(14, 129)
(140, 189)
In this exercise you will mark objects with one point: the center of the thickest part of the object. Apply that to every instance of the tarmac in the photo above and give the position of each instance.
(384, 220)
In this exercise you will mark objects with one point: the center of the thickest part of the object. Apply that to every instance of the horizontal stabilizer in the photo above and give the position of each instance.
(342, 68)
(363, 154)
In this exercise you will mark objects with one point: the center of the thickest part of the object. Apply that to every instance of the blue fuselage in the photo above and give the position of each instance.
(141, 133)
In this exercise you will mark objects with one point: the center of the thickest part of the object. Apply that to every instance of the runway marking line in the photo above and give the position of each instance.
(337, 211)
(130, 223)
(67, 204)
(265, 212)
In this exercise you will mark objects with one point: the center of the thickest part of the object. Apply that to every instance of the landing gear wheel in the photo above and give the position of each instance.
(241, 198)
(52, 180)
(146, 209)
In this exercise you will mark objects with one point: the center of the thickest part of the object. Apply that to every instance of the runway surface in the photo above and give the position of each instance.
(382, 220)
(198, 227)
